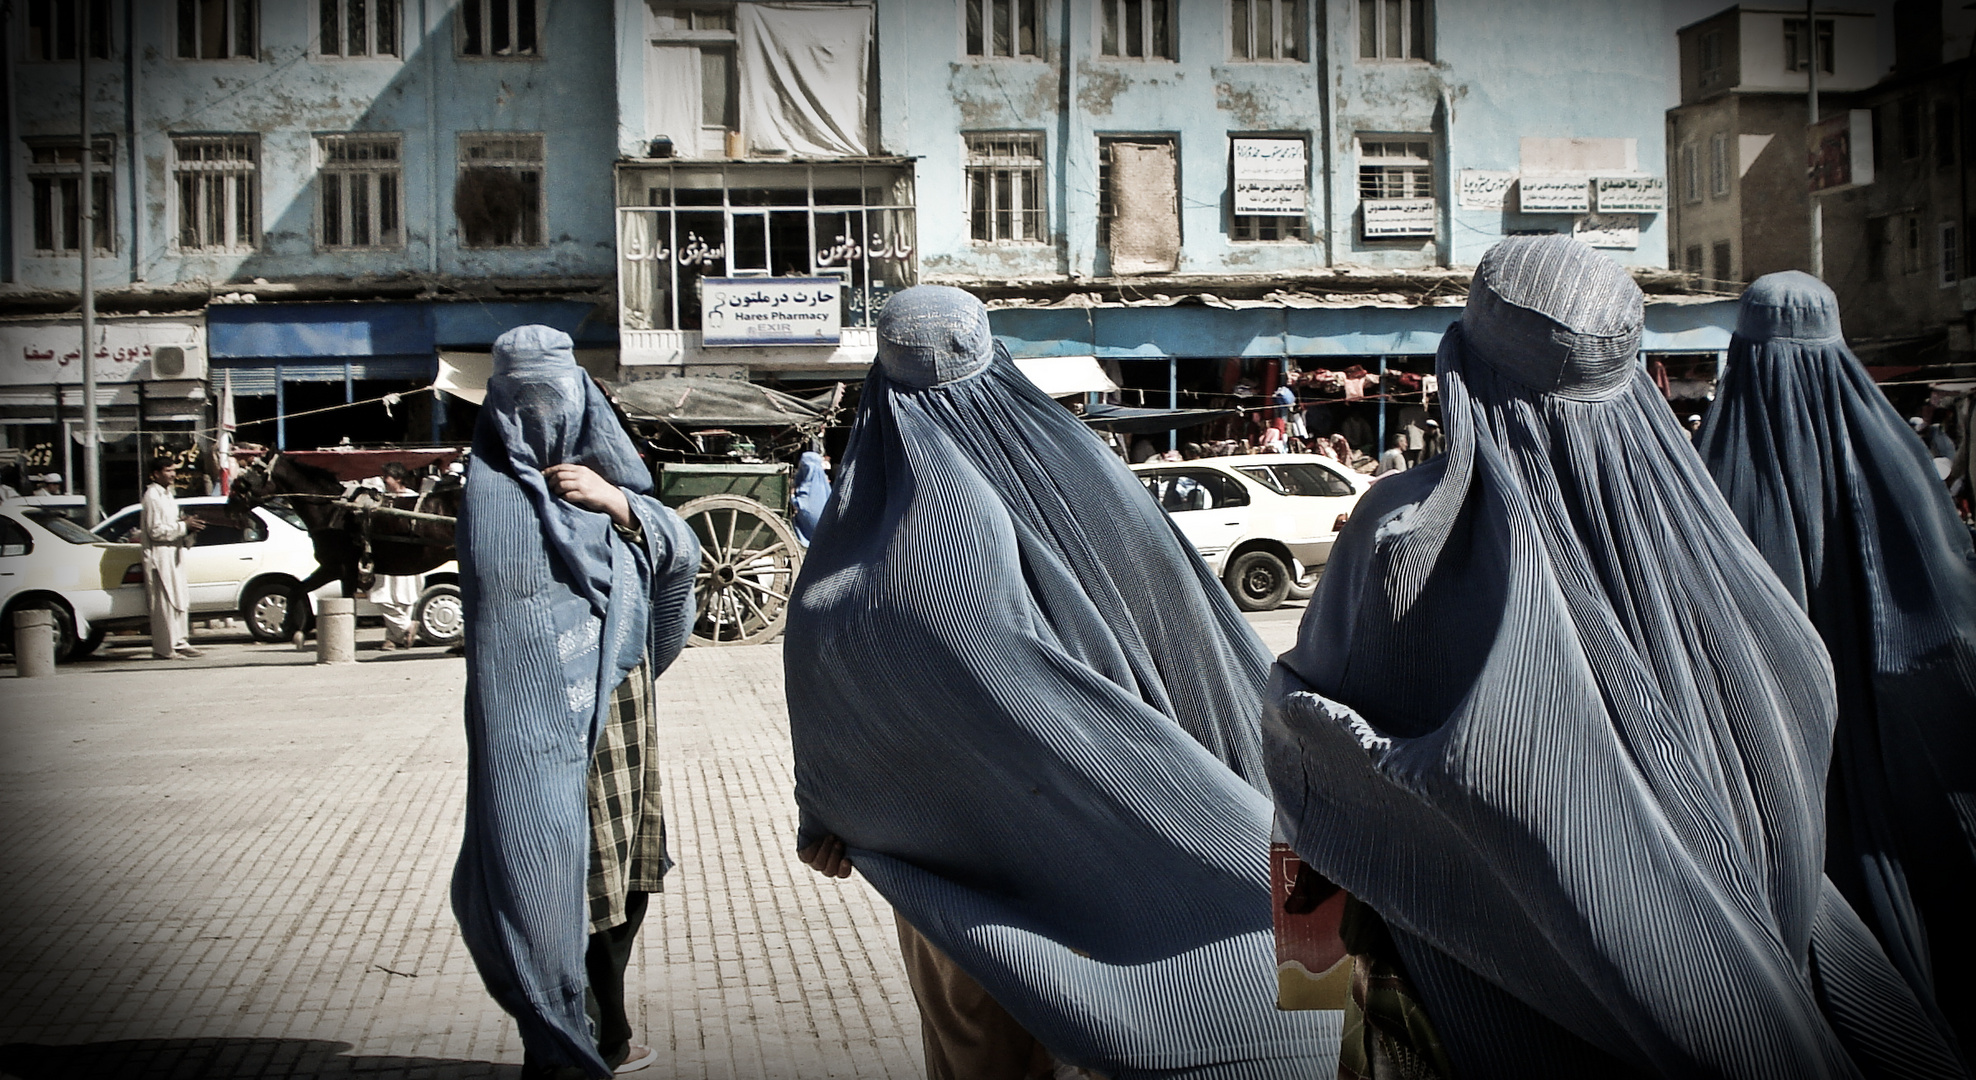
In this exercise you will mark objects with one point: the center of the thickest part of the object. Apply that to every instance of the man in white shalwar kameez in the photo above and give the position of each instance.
(396, 594)
(166, 533)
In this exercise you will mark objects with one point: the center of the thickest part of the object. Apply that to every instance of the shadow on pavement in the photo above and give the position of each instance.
(198, 1059)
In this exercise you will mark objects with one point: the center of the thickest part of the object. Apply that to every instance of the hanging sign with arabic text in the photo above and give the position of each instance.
(1270, 176)
(43, 353)
(1553, 194)
(771, 311)
(1631, 194)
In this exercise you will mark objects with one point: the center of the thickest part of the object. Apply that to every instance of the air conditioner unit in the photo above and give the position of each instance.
(171, 362)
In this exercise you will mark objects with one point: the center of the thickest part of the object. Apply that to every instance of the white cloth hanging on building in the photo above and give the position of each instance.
(804, 69)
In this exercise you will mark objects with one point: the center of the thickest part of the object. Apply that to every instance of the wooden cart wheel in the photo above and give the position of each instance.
(748, 561)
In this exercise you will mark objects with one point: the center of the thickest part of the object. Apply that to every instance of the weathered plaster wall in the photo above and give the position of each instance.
(288, 94)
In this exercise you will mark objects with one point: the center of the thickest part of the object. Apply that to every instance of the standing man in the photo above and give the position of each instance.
(1394, 459)
(396, 594)
(166, 533)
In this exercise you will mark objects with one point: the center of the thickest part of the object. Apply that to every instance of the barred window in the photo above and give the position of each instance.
(217, 29)
(360, 185)
(498, 195)
(357, 28)
(498, 28)
(1002, 28)
(1005, 191)
(1396, 169)
(1138, 29)
(1393, 29)
(51, 29)
(1266, 29)
(217, 184)
(54, 175)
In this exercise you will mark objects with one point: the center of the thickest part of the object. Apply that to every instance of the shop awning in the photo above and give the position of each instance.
(1062, 376)
(1141, 421)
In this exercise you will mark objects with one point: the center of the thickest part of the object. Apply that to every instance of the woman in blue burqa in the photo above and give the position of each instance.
(1845, 505)
(1030, 713)
(1552, 719)
(578, 588)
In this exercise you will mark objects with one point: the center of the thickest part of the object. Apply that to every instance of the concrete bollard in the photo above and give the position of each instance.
(34, 643)
(336, 631)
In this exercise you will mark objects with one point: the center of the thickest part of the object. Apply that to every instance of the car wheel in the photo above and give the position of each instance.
(88, 645)
(273, 610)
(1258, 580)
(65, 642)
(1307, 586)
(440, 617)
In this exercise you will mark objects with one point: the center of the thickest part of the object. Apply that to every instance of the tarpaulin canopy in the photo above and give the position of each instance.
(363, 464)
(703, 401)
(1137, 421)
(1062, 376)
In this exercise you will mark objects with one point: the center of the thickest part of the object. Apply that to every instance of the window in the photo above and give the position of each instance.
(14, 540)
(1910, 244)
(1180, 490)
(1005, 187)
(217, 183)
(1002, 28)
(359, 184)
(1691, 259)
(1269, 227)
(1392, 29)
(1691, 174)
(55, 182)
(498, 196)
(1140, 29)
(1139, 204)
(357, 28)
(1270, 188)
(703, 36)
(217, 30)
(1711, 58)
(1797, 52)
(1876, 249)
(1951, 252)
(51, 29)
(1302, 478)
(1266, 29)
(1945, 135)
(497, 28)
(1396, 169)
(1724, 270)
(1718, 164)
(1909, 121)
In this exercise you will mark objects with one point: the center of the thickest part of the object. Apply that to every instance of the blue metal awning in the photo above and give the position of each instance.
(318, 331)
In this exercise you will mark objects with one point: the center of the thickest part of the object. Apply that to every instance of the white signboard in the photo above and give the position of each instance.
(1482, 189)
(1631, 194)
(1608, 230)
(44, 353)
(1270, 176)
(1553, 194)
(1390, 218)
(770, 311)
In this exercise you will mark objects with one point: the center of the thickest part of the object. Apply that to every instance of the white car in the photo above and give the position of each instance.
(47, 561)
(253, 564)
(1263, 522)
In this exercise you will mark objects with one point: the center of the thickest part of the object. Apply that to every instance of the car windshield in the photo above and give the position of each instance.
(1299, 478)
(285, 512)
(60, 524)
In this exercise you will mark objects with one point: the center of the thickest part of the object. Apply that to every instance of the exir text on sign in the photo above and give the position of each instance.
(1270, 176)
(771, 311)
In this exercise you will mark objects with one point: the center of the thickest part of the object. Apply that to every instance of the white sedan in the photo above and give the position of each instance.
(1262, 521)
(49, 562)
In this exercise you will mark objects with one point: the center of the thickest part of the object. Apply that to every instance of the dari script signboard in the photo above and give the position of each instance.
(1271, 176)
(1485, 189)
(771, 311)
(1554, 195)
(1608, 230)
(1631, 194)
(1390, 219)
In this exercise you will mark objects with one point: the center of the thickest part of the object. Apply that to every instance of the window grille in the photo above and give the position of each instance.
(54, 176)
(218, 29)
(357, 28)
(360, 185)
(1266, 29)
(1137, 29)
(51, 29)
(1396, 169)
(217, 184)
(1005, 192)
(1393, 29)
(498, 194)
(1002, 27)
(498, 28)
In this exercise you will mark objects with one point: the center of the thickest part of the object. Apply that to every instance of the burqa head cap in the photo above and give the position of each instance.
(534, 351)
(1554, 315)
(1791, 304)
(933, 334)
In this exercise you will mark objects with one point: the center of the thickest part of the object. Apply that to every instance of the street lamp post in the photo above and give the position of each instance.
(92, 447)
(1809, 49)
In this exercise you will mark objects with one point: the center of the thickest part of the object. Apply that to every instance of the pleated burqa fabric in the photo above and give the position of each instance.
(808, 494)
(1848, 510)
(559, 610)
(1553, 718)
(1030, 712)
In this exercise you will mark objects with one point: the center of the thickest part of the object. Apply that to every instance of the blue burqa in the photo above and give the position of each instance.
(809, 494)
(1845, 505)
(1552, 716)
(559, 610)
(1030, 712)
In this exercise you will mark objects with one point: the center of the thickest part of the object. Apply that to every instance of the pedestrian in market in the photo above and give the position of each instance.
(578, 588)
(166, 532)
(1394, 459)
(1584, 832)
(1693, 425)
(1849, 512)
(1433, 443)
(396, 594)
(1025, 710)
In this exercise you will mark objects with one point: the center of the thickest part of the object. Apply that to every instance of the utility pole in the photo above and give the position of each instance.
(92, 444)
(1809, 45)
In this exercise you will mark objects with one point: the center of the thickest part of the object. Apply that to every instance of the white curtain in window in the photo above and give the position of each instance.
(641, 249)
(803, 74)
(672, 96)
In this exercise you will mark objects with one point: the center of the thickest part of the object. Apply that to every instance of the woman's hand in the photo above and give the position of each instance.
(827, 857)
(579, 485)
